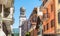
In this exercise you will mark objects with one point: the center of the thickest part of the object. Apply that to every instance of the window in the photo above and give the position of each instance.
(47, 13)
(34, 19)
(6, 12)
(0, 8)
(58, 1)
(44, 27)
(22, 13)
(35, 11)
(47, 26)
(0, 27)
(38, 33)
(47, 10)
(51, 8)
(43, 3)
(59, 17)
(43, 16)
(52, 23)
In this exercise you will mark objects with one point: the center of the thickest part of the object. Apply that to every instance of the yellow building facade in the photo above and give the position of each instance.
(57, 5)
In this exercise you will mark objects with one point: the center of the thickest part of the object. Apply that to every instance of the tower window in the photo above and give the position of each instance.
(52, 23)
(47, 13)
(45, 16)
(22, 13)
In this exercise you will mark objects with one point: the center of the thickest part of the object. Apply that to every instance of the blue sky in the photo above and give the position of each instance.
(29, 6)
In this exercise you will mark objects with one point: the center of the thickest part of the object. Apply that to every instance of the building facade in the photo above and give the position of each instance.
(50, 9)
(57, 9)
(33, 21)
(6, 16)
(24, 28)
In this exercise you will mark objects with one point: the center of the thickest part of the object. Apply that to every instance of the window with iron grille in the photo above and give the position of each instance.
(52, 8)
(52, 23)
(59, 17)
(34, 19)
(0, 8)
(44, 27)
(45, 16)
(47, 26)
(47, 13)
(58, 1)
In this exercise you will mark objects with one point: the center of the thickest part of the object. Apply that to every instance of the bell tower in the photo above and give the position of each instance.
(22, 17)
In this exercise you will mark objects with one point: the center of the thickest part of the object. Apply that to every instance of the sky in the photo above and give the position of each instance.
(28, 5)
